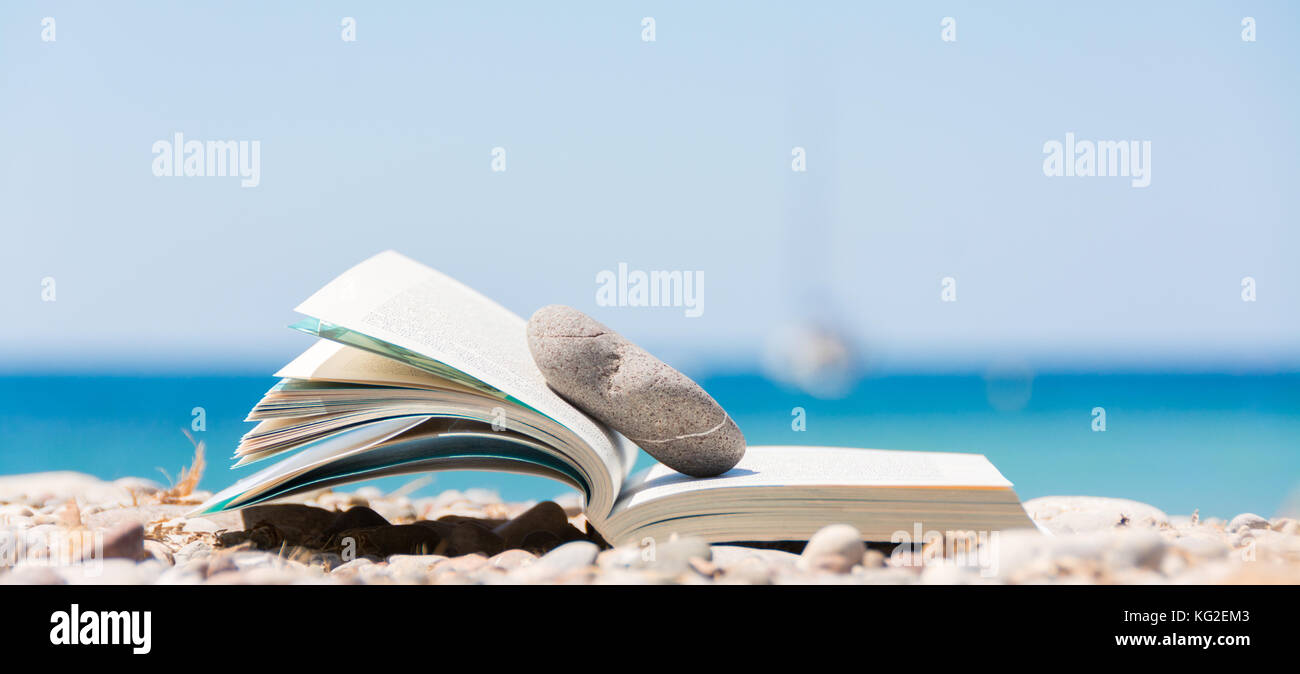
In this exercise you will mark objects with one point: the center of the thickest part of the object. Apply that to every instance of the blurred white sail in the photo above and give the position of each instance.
(815, 359)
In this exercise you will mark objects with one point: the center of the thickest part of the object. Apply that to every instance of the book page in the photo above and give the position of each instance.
(394, 299)
(824, 467)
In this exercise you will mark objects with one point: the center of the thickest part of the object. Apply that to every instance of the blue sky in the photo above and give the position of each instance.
(924, 162)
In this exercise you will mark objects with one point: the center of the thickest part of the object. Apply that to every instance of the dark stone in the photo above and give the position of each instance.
(545, 516)
(268, 527)
(540, 542)
(543, 541)
(457, 519)
(289, 518)
(382, 541)
(125, 541)
(470, 537)
(272, 527)
(262, 537)
(356, 517)
(443, 529)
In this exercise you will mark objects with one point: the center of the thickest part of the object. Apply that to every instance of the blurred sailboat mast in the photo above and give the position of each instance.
(814, 351)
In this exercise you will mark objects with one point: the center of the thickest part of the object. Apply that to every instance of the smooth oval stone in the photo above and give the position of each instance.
(1246, 521)
(634, 393)
(836, 548)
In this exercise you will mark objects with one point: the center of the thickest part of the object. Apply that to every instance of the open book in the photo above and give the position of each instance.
(417, 372)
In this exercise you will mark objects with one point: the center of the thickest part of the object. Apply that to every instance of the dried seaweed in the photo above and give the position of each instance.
(189, 477)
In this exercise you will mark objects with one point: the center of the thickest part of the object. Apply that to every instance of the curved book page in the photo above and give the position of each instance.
(289, 420)
(327, 450)
(398, 308)
(395, 447)
(328, 361)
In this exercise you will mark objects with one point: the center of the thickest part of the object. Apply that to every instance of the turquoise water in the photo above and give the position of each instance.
(1223, 444)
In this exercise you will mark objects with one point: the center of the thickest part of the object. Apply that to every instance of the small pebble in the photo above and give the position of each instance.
(512, 559)
(34, 574)
(192, 551)
(836, 548)
(159, 551)
(1285, 525)
(673, 557)
(558, 562)
(352, 566)
(1085, 514)
(1246, 521)
(463, 563)
(356, 517)
(728, 555)
(68, 514)
(748, 571)
(125, 541)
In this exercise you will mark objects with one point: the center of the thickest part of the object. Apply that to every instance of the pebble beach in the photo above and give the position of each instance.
(73, 528)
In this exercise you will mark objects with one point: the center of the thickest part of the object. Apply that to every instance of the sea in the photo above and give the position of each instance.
(1215, 443)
